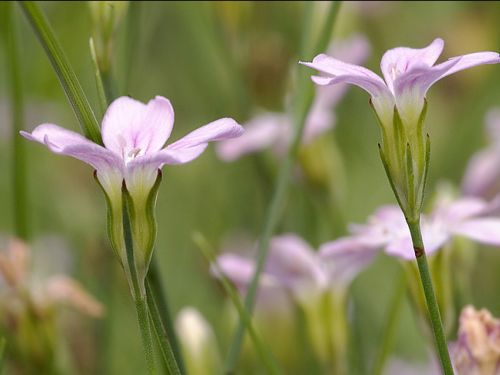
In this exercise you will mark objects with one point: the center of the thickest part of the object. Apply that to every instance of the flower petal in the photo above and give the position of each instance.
(346, 257)
(398, 60)
(236, 268)
(349, 73)
(485, 230)
(294, 263)
(261, 132)
(65, 142)
(471, 60)
(482, 173)
(192, 145)
(129, 125)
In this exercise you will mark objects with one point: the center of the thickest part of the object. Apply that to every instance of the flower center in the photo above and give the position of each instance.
(394, 71)
(127, 156)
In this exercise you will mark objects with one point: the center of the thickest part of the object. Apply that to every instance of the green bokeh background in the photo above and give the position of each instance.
(228, 59)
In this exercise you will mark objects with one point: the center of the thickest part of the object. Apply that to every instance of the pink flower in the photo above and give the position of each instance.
(482, 175)
(399, 104)
(272, 129)
(477, 350)
(408, 74)
(294, 265)
(133, 134)
(467, 216)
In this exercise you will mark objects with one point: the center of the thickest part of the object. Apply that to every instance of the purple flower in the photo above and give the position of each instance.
(477, 350)
(467, 216)
(133, 134)
(272, 129)
(482, 175)
(399, 104)
(294, 265)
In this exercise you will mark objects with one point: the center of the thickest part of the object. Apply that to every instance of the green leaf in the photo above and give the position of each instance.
(62, 68)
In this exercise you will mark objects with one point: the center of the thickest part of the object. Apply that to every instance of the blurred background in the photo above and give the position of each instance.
(230, 59)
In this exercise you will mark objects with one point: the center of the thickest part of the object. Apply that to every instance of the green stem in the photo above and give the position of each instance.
(246, 319)
(391, 324)
(103, 103)
(136, 287)
(303, 99)
(162, 321)
(3, 344)
(147, 340)
(430, 297)
(63, 70)
(17, 105)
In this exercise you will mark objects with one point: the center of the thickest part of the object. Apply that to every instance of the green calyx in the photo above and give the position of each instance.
(405, 154)
(131, 227)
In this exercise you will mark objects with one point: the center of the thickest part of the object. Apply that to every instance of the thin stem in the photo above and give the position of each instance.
(162, 321)
(139, 298)
(147, 340)
(260, 345)
(17, 105)
(62, 68)
(430, 297)
(303, 100)
(391, 324)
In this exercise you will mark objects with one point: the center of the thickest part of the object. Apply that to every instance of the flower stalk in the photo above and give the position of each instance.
(430, 297)
(303, 101)
(136, 283)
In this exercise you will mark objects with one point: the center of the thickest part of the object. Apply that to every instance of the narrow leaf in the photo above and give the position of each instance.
(62, 68)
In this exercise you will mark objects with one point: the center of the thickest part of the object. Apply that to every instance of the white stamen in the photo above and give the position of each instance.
(122, 143)
(394, 71)
(134, 152)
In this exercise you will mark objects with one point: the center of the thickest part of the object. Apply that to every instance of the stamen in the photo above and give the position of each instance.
(122, 143)
(134, 152)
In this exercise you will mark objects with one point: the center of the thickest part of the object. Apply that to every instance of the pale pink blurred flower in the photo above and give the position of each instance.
(272, 129)
(294, 265)
(477, 350)
(466, 216)
(42, 295)
(482, 174)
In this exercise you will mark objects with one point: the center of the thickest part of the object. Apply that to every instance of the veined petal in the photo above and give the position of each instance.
(131, 125)
(411, 87)
(65, 142)
(485, 230)
(349, 73)
(192, 145)
(397, 61)
(471, 60)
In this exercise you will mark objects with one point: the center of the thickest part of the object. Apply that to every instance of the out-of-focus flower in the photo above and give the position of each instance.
(28, 308)
(317, 282)
(106, 18)
(134, 134)
(272, 129)
(477, 350)
(198, 341)
(482, 175)
(466, 216)
(400, 107)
